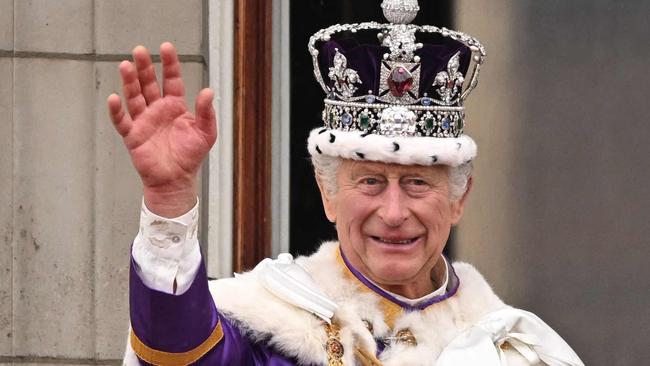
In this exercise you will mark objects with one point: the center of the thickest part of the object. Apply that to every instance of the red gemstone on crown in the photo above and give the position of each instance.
(400, 81)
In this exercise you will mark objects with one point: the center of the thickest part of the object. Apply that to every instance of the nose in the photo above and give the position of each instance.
(393, 210)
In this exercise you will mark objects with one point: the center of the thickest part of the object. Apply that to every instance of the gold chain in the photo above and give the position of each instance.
(333, 346)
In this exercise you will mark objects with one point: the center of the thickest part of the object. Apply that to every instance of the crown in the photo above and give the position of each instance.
(396, 87)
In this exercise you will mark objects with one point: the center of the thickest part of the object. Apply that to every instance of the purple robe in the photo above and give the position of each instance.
(176, 324)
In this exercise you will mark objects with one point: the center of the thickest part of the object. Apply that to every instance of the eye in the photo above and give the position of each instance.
(370, 181)
(371, 184)
(418, 182)
(416, 185)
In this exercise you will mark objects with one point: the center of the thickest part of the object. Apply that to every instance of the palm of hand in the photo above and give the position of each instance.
(166, 142)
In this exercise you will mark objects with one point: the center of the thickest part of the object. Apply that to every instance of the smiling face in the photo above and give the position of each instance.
(393, 221)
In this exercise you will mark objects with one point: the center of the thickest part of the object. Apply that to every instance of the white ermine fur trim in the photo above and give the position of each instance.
(440, 323)
(297, 333)
(450, 151)
(263, 317)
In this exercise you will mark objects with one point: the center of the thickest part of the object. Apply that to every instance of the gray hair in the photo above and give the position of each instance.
(326, 168)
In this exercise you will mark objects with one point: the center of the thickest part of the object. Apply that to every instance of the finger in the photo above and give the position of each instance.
(205, 115)
(172, 81)
(146, 74)
(121, 120)
(135, 101)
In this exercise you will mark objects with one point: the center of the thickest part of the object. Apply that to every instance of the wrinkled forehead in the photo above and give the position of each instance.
(355, 168)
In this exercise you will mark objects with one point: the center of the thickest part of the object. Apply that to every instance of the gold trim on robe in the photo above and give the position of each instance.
(162, 358)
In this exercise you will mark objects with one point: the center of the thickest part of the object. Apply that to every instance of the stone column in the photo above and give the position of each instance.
(70, 197)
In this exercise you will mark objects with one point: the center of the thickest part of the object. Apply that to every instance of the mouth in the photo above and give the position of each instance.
(395, 241)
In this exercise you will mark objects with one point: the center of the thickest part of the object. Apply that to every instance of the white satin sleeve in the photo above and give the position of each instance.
(509, 337)
(167, 250)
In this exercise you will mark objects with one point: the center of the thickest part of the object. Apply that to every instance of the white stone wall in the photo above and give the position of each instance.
(558, 218)
(69, 196)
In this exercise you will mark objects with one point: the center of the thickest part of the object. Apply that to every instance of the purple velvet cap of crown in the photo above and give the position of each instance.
(366, 59)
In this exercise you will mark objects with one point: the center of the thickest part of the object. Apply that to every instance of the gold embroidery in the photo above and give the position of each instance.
(365, 358)
(333, 346)
(405, 336)
(368, 325)
(162, 358)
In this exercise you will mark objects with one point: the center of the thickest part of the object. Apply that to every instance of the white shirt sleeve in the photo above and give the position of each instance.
(167, 250)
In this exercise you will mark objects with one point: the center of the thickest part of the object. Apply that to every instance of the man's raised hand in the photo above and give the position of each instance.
(166, 142)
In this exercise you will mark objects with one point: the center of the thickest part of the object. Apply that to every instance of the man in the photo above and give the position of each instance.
(394, 171)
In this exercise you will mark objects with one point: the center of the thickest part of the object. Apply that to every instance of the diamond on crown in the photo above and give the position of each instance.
(400, 11)
(344, 78)
(400, 40)
(397, 121)
(449, 82)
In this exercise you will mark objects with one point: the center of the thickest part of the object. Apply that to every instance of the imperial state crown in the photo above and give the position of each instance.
(399, 99)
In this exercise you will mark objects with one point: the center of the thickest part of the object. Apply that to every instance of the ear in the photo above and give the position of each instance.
(458, 206)
(328, 201)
